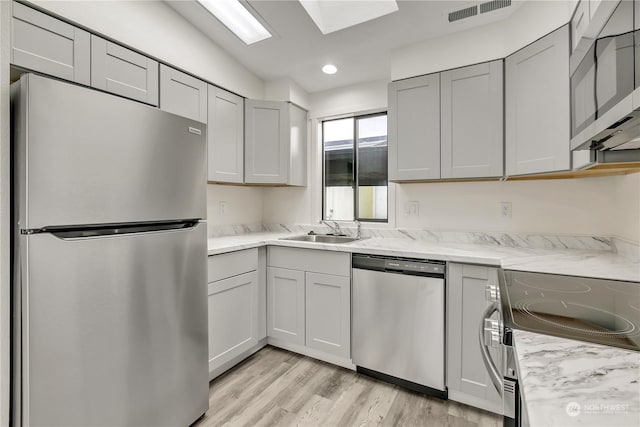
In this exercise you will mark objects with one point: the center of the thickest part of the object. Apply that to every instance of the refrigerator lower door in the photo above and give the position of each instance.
(114, 329)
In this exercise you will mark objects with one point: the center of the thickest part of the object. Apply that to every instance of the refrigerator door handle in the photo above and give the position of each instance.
(113, 230)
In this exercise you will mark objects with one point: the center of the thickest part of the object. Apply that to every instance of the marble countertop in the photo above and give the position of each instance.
(572, 383)
(578, 262)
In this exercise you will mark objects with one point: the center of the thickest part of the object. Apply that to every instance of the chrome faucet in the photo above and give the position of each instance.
(335, 227)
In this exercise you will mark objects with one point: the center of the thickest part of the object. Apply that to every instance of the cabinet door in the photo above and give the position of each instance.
(124, 72)
(233, 317)
(414, 128)
(49, 46)
(472, 124)
(225, 137)
(285, 305)
(467, 377)
(183, 94)
(266, 142)
(328, 313)
(297, 146)
(537, 106)
(580, 22)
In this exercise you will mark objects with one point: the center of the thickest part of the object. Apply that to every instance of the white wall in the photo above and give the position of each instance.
(532, 20)
(567, 206)
(243, 205)
(626, 219)
(155, 29)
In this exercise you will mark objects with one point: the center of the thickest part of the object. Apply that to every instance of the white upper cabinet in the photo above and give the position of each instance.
(183, 94)
(537, 106)
(47, 45)
(414, 128)
(225, 136)
(124, 72)
(472, 121)
(579, 22)
(275, 143)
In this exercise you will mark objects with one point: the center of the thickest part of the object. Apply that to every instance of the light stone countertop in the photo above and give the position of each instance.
(600, 384)
(573, 383)
(577, 262)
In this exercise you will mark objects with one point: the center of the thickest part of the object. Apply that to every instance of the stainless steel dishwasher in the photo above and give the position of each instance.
(398, 321)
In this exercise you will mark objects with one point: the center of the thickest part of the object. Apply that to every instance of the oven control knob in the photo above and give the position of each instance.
(492, 333)
(491, 292)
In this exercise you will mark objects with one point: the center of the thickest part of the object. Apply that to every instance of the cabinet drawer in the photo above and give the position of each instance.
(124, 72)
(48, 45)
(318, 261)
(231, 264)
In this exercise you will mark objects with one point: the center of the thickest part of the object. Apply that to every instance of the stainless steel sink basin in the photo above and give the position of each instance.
(320, 238)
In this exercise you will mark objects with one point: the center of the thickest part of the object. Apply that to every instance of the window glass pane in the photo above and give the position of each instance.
(372, 167)
(337, 136)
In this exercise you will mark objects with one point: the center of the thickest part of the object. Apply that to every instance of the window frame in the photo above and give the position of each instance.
(356, 169)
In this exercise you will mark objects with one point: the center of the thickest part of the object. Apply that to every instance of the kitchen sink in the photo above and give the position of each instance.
(321, 238)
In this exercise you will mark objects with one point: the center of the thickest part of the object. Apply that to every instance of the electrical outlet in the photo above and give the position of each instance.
(222, 208)
(505, 209)
(412, 208)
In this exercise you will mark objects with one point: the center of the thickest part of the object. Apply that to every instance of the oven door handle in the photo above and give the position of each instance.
(495, 376)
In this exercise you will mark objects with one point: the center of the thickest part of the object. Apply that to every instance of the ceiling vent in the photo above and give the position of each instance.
(477, 9)
(467, 12)
(494, 5)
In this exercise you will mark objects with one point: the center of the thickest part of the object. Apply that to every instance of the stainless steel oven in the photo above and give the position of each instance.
(586, 309)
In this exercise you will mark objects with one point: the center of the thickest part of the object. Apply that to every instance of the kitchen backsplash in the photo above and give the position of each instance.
(514, 240)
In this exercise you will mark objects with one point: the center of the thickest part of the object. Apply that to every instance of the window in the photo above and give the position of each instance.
(355, 168)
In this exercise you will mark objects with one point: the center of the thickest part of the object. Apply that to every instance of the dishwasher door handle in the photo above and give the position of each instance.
(494, 375)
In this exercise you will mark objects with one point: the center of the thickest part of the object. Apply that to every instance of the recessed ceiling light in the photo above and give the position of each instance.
(329, 69)
(238, 19)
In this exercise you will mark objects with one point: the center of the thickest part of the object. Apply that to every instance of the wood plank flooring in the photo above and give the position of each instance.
(275, 387)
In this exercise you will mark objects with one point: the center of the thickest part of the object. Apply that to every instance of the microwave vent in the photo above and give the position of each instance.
(467, 12)
(494, 5)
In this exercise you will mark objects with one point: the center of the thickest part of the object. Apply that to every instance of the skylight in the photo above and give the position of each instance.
(332, 16)
(237, 19)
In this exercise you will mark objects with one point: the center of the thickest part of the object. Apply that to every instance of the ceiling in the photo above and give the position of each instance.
(362, 53)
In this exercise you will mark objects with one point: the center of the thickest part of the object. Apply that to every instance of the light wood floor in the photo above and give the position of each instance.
(278, 388)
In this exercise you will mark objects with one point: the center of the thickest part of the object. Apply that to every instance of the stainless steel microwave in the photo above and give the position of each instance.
(605, 80)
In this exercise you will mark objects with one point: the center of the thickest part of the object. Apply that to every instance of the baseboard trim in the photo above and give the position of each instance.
(474, 401)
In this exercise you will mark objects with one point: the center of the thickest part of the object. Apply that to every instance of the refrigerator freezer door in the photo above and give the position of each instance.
(114, 329)
(87, 157)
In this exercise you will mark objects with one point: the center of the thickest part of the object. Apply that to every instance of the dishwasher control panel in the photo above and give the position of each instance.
(401, 265)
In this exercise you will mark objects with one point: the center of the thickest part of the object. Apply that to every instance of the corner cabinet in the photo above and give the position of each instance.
(414, 128)
(447, 125)
(275, 143)
(45, 44)
(183, 94)
(467, 378)
(121, 71)
(537, 106)
(225, 136)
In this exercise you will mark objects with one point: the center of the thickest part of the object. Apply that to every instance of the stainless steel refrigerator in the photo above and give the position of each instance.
(109, 289)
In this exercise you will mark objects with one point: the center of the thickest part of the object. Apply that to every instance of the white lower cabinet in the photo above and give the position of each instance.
(235, 296)
(285, 305)
(309, 302)
(467, 378)
(328, 313)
